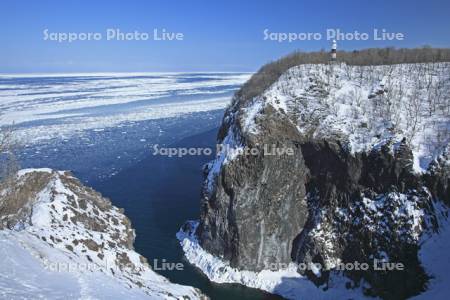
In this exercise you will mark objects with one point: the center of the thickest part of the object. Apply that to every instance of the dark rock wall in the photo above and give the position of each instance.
(258, 203)
(264, 210)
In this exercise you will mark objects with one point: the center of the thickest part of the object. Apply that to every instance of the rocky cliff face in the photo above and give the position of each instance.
(362, 180)
(265, 195)
(74, 234)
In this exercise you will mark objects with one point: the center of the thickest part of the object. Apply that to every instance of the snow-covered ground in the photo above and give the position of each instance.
(24, 275)
(64, 241)
(60, 105)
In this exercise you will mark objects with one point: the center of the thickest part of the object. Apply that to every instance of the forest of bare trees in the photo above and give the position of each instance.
(371, 102)
(270, 72)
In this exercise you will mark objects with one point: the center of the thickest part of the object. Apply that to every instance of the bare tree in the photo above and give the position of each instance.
(8, 162)
(413, 113)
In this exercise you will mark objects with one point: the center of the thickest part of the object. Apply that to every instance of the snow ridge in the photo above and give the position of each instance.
(70, 235)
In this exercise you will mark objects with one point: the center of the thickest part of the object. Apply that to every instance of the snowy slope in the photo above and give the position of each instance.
(61, 239)
(24, 274)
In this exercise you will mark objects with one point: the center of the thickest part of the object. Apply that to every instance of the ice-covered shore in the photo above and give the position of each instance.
(287, 282)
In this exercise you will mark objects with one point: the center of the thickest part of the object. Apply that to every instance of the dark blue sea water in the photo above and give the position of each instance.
(159, 194)
(98, 155)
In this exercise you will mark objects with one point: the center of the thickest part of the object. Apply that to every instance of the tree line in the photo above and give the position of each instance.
(270, 72)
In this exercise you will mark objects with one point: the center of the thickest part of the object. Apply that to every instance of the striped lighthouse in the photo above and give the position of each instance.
(333, 51)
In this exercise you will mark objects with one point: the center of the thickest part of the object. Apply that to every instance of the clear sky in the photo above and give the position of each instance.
(217, 35)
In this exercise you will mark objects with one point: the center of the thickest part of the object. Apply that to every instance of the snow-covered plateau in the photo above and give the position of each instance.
(62, 240)
(367, 106)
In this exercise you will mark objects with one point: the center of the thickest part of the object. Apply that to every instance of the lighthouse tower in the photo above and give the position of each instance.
(333, 51)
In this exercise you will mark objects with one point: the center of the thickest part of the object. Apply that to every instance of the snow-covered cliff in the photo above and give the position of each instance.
(367, 179)
(62, 240)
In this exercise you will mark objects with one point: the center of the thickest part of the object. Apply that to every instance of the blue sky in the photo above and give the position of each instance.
(218, 35)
